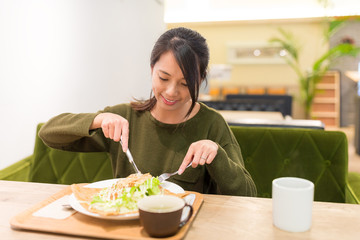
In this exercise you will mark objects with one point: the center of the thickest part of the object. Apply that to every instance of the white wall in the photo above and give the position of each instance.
(70, 56)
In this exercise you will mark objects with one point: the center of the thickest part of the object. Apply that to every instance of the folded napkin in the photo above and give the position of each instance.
(56, 210)
(189, 199)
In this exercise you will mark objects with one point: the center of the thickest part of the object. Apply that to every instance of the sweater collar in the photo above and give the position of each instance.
(189, 121)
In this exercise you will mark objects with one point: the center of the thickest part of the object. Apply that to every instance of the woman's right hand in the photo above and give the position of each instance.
(113, 126)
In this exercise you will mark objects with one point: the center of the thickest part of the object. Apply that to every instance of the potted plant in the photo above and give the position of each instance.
(308, 79)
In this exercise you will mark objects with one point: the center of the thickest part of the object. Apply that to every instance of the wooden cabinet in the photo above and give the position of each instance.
(326, 104)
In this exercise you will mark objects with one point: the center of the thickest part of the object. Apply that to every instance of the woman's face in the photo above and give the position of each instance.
(169, 86)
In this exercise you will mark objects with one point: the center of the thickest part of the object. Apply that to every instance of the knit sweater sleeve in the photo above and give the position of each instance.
(228, 169)
(69, 131)
(229, 173)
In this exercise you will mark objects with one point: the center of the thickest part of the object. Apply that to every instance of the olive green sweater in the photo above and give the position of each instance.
(158, 147)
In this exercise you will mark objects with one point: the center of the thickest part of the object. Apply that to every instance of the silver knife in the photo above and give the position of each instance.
(131, 160)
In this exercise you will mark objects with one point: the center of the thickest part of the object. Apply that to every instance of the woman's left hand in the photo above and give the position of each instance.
(200, 152)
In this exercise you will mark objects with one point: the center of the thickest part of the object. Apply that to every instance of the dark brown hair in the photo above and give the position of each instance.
(191, 53)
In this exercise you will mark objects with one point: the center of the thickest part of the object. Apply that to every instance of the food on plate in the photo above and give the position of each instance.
(121, 197)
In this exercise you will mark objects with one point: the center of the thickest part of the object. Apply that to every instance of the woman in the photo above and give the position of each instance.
(166, 132)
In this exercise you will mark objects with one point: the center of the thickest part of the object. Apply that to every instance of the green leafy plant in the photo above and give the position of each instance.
(308, 79)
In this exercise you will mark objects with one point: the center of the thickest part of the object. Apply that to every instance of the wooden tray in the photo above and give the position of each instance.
(81, 225)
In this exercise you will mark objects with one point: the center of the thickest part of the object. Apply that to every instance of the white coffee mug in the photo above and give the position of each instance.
(292, 200)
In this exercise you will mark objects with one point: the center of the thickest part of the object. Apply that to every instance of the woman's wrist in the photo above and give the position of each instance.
(96, 122)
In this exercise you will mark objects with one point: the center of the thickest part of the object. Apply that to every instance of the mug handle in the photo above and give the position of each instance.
(182, 223)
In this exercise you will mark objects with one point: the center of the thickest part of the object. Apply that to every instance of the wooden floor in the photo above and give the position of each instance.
(354, 159)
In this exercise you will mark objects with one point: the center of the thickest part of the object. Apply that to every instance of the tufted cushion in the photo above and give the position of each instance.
(18, 171)
(353, 187)
(316, 155)
(320, 156)
(55, 166)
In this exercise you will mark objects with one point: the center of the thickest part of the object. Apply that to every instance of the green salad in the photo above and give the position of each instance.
(120, 199)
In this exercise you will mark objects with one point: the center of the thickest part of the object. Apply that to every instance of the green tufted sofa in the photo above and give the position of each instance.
(317, 155)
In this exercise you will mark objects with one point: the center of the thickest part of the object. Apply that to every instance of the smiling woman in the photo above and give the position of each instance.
(171, 91)
(172, 62)
(169, 130)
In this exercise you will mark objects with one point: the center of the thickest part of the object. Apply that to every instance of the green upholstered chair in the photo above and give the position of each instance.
(50, 165)
(57, 166)
(18, 171)
(317, 155)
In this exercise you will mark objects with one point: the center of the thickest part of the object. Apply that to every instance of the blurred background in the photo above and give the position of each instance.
(82, 55)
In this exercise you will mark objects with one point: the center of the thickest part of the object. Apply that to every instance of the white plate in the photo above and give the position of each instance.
(172, 187)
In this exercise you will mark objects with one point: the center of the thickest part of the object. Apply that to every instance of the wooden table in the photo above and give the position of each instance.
(353, 75)
(267, 119)
(233, 116)
(220, 217)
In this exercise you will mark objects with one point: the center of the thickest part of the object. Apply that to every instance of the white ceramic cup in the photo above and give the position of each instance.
(292, 200)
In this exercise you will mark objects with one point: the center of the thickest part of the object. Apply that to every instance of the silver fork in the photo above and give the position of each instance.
(165, 176)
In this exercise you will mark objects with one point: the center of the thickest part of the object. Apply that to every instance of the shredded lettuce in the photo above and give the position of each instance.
(126, 199)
